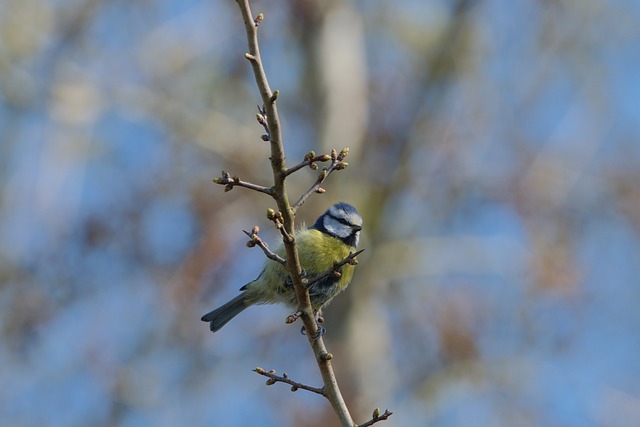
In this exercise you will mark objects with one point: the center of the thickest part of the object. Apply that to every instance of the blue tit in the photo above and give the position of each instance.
(332, 238)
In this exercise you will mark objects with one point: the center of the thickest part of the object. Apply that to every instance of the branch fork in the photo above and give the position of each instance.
(273, 378)
(337, 163)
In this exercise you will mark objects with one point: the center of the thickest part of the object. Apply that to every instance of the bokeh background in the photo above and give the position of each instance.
(495, 158)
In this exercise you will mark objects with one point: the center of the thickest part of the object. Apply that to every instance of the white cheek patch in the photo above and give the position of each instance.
(335, 228)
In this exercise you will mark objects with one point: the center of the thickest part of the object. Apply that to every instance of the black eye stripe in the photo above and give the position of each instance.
(341, 221)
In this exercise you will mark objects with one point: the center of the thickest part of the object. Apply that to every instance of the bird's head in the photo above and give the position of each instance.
(341, 221)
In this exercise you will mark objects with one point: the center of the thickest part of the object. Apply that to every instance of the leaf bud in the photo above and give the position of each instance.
(327, 356)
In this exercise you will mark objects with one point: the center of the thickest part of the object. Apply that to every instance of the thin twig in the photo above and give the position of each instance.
(273, 378)
(335, 270)
(262, 119)
(278, 220)
(286, 237)
(232, 181)
(337, 163)
(256, 240)
(377, 417)
(309, 160)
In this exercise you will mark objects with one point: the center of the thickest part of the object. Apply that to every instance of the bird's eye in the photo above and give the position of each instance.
(344, 222)
(341, 220)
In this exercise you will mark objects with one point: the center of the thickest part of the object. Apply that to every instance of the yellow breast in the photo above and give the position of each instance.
(318, 252)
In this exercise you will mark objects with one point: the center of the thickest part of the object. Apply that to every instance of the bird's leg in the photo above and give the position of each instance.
(316, 315)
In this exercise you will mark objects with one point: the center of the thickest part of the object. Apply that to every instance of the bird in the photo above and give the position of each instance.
(331, 239)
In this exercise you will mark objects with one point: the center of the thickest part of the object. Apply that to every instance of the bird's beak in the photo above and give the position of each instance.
(357, 227)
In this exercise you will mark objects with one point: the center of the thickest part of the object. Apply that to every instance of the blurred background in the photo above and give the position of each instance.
(495, 158)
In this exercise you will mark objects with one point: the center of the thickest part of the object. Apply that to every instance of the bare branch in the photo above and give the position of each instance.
(255, 240)
(232, 181)
(309, 160)
(262, 119)
(278, 219)
(337, 163)
(270, 110)
(377, 417)
(273, 378)
(335, 270)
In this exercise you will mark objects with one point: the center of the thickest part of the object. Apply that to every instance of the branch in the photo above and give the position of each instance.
(255, 240)
(309, 160)
(273, 378)
(335, 270)
(231, 181)
(278, 165)
(277, 218)
(337, 163)
(262, 119)
(377, 417)
(269, 111)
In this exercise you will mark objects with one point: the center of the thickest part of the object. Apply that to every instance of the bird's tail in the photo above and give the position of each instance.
(221, 315)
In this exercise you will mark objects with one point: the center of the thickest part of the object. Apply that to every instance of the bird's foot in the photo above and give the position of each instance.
(321, 331)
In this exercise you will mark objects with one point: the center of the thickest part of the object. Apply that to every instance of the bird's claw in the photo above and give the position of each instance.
(321, 331)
